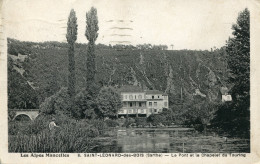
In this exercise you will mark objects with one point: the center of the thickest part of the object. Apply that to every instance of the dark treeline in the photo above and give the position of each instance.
(23, 47)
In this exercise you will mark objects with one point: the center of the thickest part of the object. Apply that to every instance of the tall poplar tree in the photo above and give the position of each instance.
(91, 34)
(71, 36)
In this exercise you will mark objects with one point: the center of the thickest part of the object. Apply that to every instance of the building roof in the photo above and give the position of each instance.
(153, 92)
(131, 88)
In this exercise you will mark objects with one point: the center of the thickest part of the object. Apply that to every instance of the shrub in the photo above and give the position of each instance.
(111, 123)
(16, 127)
(156, 119)
(128, 122)
(99, 124)
(141, 122)
(92, 132)
(108, 102)
(58, 101)
(84, 105)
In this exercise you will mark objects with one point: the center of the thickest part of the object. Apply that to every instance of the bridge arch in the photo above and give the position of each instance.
(31, 113)
(22, 114)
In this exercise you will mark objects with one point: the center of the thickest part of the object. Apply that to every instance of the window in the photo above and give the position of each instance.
(158, 97)
(134, 110)
(130, 110)
(150, 103)
(131, 104)
(140, 104)
(135, 96)
(155, 110)
(155, 104)
(140, 97)
(152, 97)
(142, 111)
(125, 96)
(131, 97)
(134, 104)
(165, 104)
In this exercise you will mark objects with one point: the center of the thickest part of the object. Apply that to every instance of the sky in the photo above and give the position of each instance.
(187, 24)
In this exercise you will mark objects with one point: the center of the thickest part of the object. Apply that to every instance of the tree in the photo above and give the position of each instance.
(57, 102)
(238, 59)
(91, 34)
(85, 105)
(71, 39)
(238, 50)
(20, 94)
(108, 102)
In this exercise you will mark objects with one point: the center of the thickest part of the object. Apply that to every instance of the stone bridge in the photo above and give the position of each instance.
(31, 113)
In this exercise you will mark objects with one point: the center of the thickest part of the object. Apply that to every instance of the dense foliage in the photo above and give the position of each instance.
(85, 105)
(20, 94)
(71, 36)
(91, 34)
(108, 102)
(235, 116)
(60, 101)
(71, 135)
(161, 70)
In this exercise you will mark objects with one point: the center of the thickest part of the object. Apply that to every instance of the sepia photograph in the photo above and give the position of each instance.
(116, 76)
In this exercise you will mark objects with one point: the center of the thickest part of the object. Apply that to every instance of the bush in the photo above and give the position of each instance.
(99, 124)
(156, 119)
(92, 132)
(16, 127)
(39, 124)
(108, 102)
(111, 123)
(128, 122)
(58, 101)
(141, 122)
(84, 105)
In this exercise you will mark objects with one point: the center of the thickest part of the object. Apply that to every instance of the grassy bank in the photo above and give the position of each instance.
(72, 136)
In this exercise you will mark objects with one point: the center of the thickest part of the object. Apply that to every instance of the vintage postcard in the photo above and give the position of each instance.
(127, 81)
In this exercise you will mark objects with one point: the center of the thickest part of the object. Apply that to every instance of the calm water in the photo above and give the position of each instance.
(170, 141)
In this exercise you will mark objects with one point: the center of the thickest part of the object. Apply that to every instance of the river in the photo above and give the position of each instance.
(170, 140)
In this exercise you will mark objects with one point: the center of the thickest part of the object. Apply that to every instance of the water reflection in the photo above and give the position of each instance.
(171, 141)
(144, 140)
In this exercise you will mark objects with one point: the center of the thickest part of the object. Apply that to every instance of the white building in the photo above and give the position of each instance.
(141, 103)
